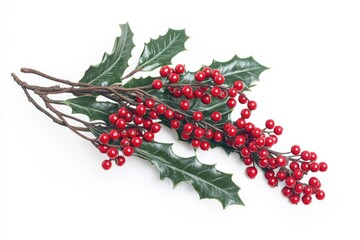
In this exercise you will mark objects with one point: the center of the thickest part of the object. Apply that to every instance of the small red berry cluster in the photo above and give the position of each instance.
(129, 127)
(251, 142)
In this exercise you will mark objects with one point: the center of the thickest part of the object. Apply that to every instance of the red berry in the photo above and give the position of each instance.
(294, 165)
(132, 133)
(149, 136)
(298, 174)
(295, 149)
(306, 199)
(240, 123)
(184, 105)
(222, 95)
(263, 163)
(219, 79)
(185, 136)
(138, 119)
(200, 76)
(320, 194)
(176, 92)
(112, 153)
(216, 116)
(199, 132)
(252, 105)
(120, 160)
(230, 130)
(114, 134)
(157, 84)
(128, 151)
(305, 155)
(197, 116)
(249, 127)
(147, 123)
(122, 112)
(155, 128)
(269, 141)
(232, 92)
(305, 166)
(239, 85)
(175, 124)
(186, 90)
(263, 153)
(113, 118)
(206, 99)
(209, 134)
(160, 109)
(169, 114)
(120, 123)
(308, 190)
(281, 161)
(281, 175)
(245, 113)
(294, 199)
(207, 71)
(242, 99)
(150, 103)
(215, 91)
(245, 152)
(251, 172)
(188, 128)
(165, 71)
(298, 188)
(239, 141)
(290, 181)
(323, 167)
(204, 145)
(103, 148)
(314, 182)
(286, 191)
(140, 109)
(231, 103)
(269, 174)
(313, 156)
(106, 164)
(136, 142)
(218, 136)
(215, 73)
(104, 138)
(270, 124)
(195, 143)
(273, 182)
(278, 130)
(314, 167)
(198, 93)
(125, 142)
(247, 161)
(179, 69)
(174, 77)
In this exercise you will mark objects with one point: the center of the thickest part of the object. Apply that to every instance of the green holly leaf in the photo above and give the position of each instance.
(244, 69)
(139, 82)
(88, 106)
(159, 52)
(206, 179)
(113, 65)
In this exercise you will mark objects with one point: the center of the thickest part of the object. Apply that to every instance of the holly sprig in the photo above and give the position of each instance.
(197, 105)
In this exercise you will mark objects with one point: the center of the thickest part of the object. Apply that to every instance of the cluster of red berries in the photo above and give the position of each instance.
(137, 122)
(129, 127)
(253, 143)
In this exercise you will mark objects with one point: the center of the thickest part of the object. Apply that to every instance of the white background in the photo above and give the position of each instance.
(52, 185)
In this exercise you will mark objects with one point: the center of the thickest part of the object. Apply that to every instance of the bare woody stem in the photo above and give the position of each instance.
(122, 95)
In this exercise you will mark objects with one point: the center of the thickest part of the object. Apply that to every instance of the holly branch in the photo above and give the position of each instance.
(126, 112)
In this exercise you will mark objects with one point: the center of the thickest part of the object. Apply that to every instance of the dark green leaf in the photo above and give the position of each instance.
(160, 51)
(90, 107)
(113, 65)
(245, 69)
(206, 179)
(139, 82)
